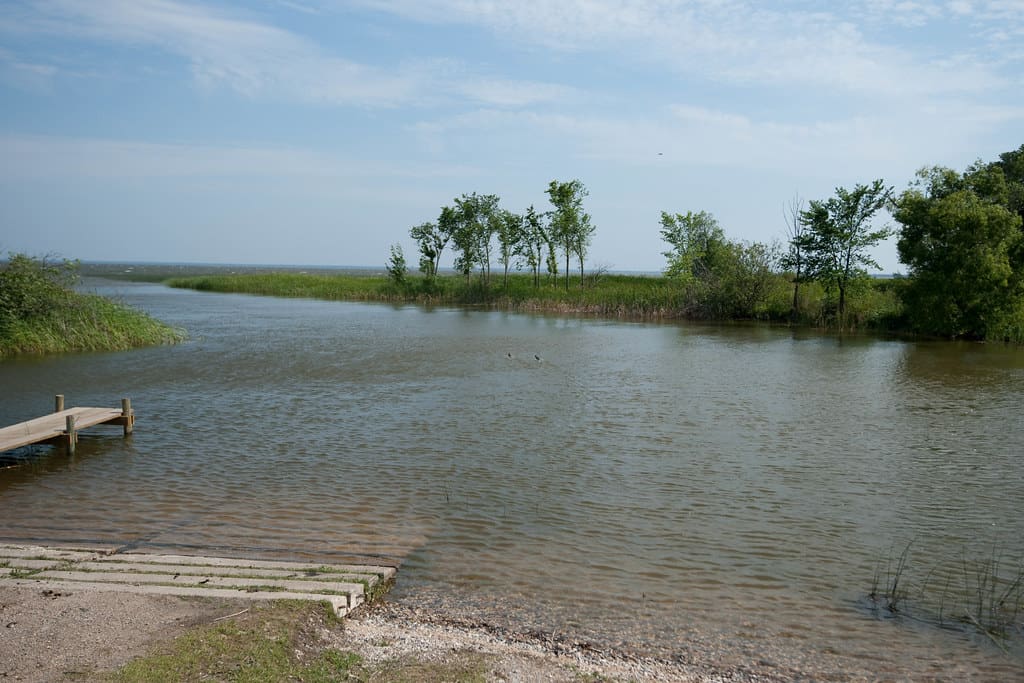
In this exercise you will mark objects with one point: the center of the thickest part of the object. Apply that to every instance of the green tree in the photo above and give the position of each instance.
(510, 237)
(396, 265)
(1012, 166)
(696, 240)
(720, 278)
(570, 226)
(475, 233)
(425, 235)
(534, 239)
(961, 238)
(794, 259)
(433, 238)
(838, 233)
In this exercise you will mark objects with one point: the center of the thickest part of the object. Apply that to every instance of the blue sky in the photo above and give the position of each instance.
(319, 131)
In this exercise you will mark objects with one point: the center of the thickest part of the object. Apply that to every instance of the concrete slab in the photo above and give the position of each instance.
(33, 564)
(304, 573)
(195, 560)
(39, 552)
(339, 603)
(210, 580)
(343, 586)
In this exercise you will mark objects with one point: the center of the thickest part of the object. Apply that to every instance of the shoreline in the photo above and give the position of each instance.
(63, 635)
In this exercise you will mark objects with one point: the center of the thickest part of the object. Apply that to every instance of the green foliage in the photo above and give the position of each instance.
(263, 646)
(397, 269)
(836, 234)
(696, 240)
(32, 287)
(962, 241)
(510, 238)
(474, 233)
(40, 313)
(433, 238)
(534, 239)
(331, 287)
(1012, 166)
(570, 226)
(720, 279)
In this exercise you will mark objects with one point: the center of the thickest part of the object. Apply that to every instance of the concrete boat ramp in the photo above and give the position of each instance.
(344, 587)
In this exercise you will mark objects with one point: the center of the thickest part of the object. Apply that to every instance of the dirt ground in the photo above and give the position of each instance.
(48, 635)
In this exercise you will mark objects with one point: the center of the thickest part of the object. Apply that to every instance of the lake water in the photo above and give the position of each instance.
(677, 490)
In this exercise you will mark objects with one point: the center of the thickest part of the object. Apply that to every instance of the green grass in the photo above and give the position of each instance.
(872, 304)
(40, 312)
(260, 648)
(331, 287)
(85, 322)
(623, 296)
(283, 641)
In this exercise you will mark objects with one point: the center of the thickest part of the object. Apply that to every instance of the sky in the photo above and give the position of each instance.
(317, 132)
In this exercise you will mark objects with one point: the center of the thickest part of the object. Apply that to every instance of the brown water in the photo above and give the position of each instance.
(676, 490)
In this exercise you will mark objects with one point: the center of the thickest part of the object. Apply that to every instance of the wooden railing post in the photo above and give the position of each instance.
(127, 416)
(72, 437)
(58, 403)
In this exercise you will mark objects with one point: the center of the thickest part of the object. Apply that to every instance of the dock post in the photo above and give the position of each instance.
(58, 403)
(72, 436)
(127, 416)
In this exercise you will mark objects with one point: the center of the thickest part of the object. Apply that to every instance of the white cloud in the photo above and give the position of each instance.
(961, 7)
(735, 41)
(257, 59)
(689, 135)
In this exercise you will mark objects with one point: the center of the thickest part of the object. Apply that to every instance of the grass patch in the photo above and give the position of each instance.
(279, 642)
(85, 322)
(872, 304)
(40, 312)
(19, 573)
(288, 640)
(621, 296)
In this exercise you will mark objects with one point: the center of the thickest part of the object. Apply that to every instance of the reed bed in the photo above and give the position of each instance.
(85, 322)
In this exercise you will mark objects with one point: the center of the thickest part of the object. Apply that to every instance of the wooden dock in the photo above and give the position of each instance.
(62, 426)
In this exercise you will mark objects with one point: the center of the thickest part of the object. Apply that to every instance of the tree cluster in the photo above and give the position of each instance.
(480, 231)
(960, 234)
(962, 240)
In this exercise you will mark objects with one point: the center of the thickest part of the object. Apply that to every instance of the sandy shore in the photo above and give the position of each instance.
(48, 635)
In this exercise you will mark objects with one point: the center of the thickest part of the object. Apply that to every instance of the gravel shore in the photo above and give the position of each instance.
(48, 635)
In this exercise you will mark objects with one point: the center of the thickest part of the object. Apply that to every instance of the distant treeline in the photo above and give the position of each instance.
(960, 235)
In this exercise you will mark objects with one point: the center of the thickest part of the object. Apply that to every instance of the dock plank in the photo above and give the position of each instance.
(52, 426)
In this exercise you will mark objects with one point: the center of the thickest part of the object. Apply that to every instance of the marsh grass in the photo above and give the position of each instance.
(87, 322)
(894, 590)
(619, 296)
(40, 312)
(873, 304)
(985, 595)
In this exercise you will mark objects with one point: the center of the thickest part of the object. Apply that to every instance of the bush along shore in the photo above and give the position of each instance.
(40, 312)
